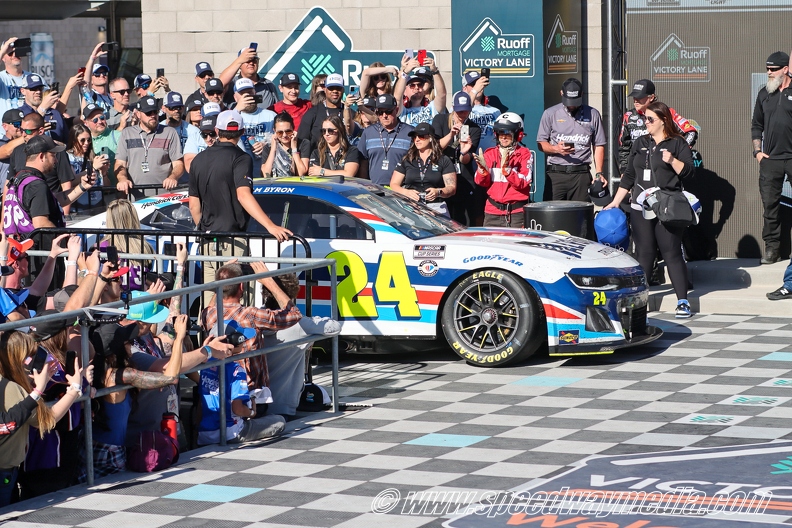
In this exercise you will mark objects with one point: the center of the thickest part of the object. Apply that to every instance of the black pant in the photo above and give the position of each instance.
(771, 180)
(571, 186)
(648, 235)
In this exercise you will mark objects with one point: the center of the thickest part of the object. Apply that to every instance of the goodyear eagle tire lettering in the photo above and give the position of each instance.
(491, 319)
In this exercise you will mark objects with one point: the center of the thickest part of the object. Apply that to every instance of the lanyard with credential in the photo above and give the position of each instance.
(145, 166)
(385, 162)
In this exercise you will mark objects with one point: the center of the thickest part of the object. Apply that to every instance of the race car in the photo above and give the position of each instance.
(496, 295)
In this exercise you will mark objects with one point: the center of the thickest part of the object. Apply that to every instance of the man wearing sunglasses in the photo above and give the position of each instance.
(97, 82)
(291, 103)
(203, 73)
(148, 153)
(259, 122)
(12, 79)
(174, 108)
(206, 138)
(120, 115)
(247, 64)
(311, 124)
(414, 84)
(35, 101)
(102, 136)
(384, 144)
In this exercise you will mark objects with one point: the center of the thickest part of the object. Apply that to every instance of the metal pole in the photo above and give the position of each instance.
(87, 425)
(220, 330)
(334, 346)
(613, 179)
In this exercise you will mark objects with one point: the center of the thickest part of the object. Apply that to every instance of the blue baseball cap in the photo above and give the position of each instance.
(202, 67)
(97, 67)
(232, 326)
(173, 99)
(33, 81)
(142, 79)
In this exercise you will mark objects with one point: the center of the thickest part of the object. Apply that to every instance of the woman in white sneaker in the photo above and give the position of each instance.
(661, 158)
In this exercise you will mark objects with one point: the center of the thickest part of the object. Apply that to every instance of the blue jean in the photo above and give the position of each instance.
(8, 480)
(788, 276)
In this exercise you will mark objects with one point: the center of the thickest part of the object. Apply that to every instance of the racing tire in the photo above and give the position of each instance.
(492, 318)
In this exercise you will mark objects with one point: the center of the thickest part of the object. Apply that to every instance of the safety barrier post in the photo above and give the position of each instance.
(87, 418)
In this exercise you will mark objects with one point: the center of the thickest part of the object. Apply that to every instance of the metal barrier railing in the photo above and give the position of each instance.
(86, 319)
(161, 240)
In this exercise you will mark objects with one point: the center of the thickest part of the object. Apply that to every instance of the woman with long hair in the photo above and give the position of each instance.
(286, 155)
(317, 87)
(121, 214)
(376, 80)
(82, 159)
(334, 156)
(662, 159)
(16, 350)
(424, 174)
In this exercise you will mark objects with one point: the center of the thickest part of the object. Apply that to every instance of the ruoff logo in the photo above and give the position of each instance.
(672, 61)
(562, 49)
(507, 55)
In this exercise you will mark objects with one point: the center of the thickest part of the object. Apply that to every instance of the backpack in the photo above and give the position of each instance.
(153, 451)
(16, 220)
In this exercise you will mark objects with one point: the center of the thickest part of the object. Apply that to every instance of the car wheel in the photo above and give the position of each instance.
(492, 319)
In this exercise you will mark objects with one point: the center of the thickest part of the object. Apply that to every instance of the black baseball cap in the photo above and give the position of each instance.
(41, 144)
(642, 88)
(386, 102)
(208, 123)
(214, 85)
(289, 78)
(423, 129)
(778, 59)
(147, 104)
(13, 115)
(599, 193)
(90, 109)
(572, 92)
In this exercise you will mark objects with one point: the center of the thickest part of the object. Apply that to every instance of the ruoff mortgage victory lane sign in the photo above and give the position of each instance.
(317, 45)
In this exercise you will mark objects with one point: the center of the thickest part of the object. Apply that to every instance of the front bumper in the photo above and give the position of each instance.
(589, 349)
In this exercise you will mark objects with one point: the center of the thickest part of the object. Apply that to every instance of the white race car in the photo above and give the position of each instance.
(497, 295)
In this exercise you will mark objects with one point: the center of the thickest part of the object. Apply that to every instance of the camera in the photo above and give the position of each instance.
(235, 338)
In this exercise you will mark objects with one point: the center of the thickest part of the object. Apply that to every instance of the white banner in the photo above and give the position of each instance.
(42, 56)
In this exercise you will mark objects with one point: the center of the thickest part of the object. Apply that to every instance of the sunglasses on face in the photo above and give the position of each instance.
(773, 68)
(100, 74)
(285, 132)
(651, 120)
(330, 131)
(98, 119)
(16, 124)
(126, 91)
(30, 131)
(175, 108)
(382, 77)
(84, 140)
(145, 85)
(150, 113)
(206, 74)
(382, 112)
(252, 61)
(207, 135)
(416, 84)
(214, 93)
(321, 85)
(422, 136)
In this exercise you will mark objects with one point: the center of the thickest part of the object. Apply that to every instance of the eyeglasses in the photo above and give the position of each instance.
(15, 124)
(383, 112)
(145, 85)
(285, 132)
(98, 119)
(30, 131)
(150, 113)
(422, 136)
(416, 84)
(84, 140)
(329, 131)
(206, 74)
(126, 91)
(321, 85)
(175, 108)
(651, 120)
(774, 68)
(207, 135)
(100, 74)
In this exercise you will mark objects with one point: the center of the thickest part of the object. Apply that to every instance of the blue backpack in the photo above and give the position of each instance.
(612, 228)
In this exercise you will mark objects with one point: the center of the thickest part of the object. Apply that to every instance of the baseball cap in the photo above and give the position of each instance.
(210, 109)
(10, 301)
(470, 78)
(141, 80)
(44, 330)
(41, 144)
(243, 83)
(13, 115)
(572, 92)
(90, 109)
(208, 123)
(147, 104)
(97, 67)
(462, 102)
(386, 102)
(779, 58)
(230, 326)
(599, 193)
(419, 74)
(214, 85)
(642, 88)
(33, 81)
(334, 79)
(147, 312)
(202, 67)
(230, 120)
(370, 102)
(423, 129)
(173, 99)
(110, 338)
(192, 104)
(59, 298)
(289, 78)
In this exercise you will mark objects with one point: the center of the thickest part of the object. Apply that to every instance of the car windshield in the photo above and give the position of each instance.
(409, 218)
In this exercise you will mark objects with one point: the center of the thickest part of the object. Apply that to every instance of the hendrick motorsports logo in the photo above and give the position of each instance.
(562, 49)
(318, 45)
(675, 62)
(505, 55)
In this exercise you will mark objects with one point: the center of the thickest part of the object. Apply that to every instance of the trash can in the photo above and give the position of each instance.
(576, 218)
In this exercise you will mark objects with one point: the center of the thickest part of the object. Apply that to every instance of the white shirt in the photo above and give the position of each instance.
(259, 127)
(10, 94)
(484, 116)
(419, 114)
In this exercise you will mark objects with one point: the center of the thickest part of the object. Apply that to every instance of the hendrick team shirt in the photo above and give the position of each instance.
(149, 155)
(484, 116)
(584, 129)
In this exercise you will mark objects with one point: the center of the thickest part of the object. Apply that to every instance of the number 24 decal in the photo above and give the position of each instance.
(392, 285)
(599, 298)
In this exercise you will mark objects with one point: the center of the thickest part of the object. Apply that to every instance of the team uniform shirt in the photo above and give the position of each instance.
(384, 149)
(505, 189)
(259, 127)
(584, 129)
(108, 138)
(634, 126)
(217, 173)
(59, 132)
(236, 389)
(311, 123)
(296, 110)
(264, 88)
(283, 165)
(10, 90)
(772, 122)
(484, 116)
(419, 114)
(149, 156)
(420, 177)
(63, 172)
(336, 162)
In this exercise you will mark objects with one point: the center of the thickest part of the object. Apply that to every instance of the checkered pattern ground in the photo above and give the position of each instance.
(441, 424)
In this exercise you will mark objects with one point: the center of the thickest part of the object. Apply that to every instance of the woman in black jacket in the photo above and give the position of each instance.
(661, 158)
